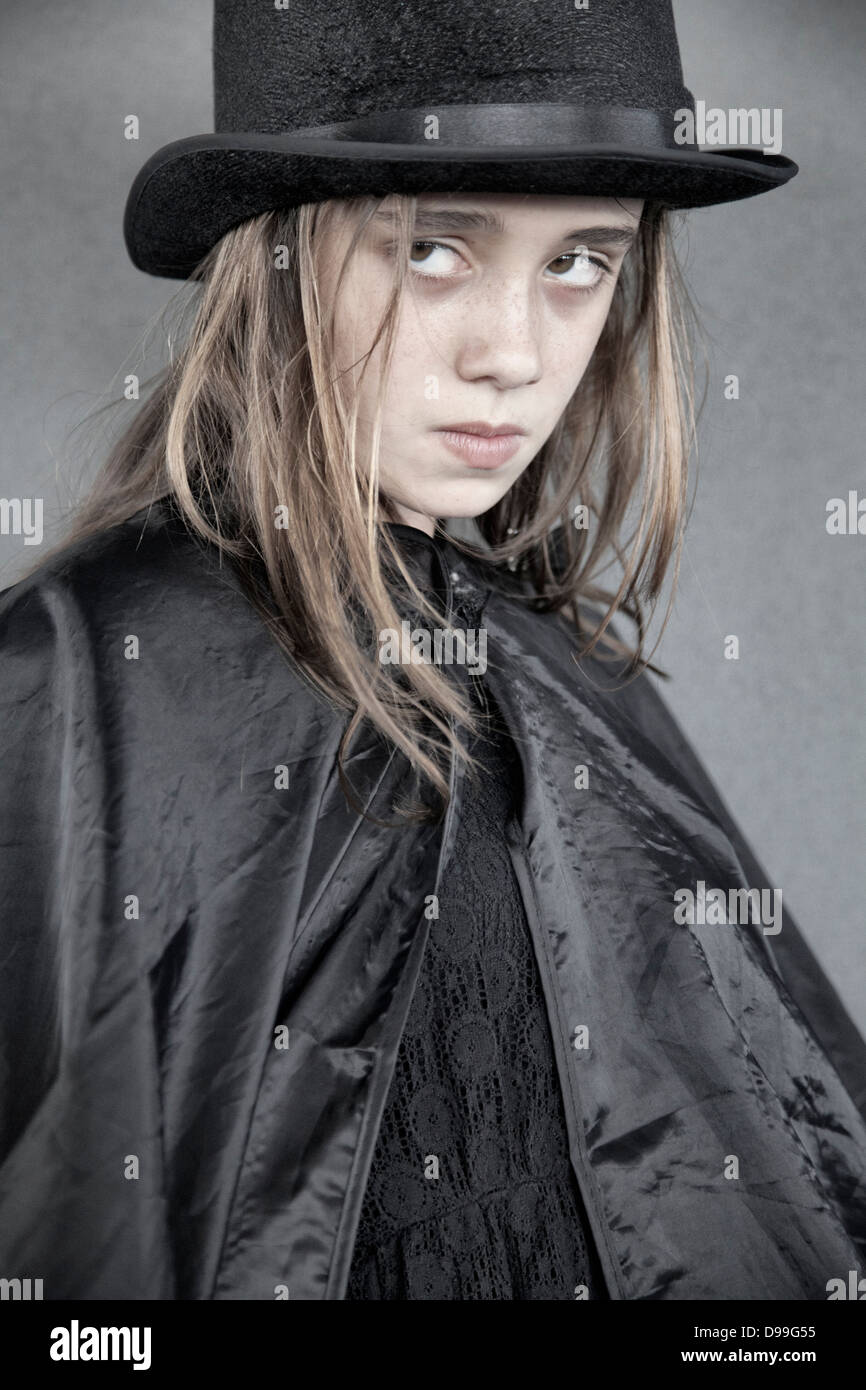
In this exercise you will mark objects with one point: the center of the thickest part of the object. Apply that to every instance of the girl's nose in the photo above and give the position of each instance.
(501, 340)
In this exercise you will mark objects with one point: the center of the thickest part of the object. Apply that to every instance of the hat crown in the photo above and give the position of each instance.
(278, 69)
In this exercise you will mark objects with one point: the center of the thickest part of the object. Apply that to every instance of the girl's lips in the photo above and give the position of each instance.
(479, 450)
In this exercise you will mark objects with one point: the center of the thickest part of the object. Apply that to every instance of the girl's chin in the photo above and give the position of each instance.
(468, 497)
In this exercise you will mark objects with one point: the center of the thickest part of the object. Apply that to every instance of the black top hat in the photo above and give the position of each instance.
(321, 100)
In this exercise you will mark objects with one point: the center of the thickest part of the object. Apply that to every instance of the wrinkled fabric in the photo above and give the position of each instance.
(208, 957)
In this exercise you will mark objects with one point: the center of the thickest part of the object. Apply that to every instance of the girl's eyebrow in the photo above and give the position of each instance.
(457, 220)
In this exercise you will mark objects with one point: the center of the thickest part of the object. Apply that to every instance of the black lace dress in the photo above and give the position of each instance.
(471, 1193)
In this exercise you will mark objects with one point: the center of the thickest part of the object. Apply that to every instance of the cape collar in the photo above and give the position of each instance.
(422, 555)
(435, 566)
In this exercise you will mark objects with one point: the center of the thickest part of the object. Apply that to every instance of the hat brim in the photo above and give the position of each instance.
(191, 192)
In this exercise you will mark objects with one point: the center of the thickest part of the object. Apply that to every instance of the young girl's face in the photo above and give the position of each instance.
(500, 320)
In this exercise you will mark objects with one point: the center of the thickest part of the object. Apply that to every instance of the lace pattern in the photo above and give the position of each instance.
(471, 1193)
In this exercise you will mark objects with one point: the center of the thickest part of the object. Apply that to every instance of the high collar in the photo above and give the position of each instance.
(404, 533)
(423, 555)
(438, 569)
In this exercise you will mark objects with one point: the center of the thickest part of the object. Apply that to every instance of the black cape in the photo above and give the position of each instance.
(208, 957)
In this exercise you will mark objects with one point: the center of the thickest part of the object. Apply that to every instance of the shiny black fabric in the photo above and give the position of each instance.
(206, 972)
(471, 1192)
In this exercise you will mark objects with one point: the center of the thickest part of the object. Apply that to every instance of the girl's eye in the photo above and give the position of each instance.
(582, 271)
(576, 269)
(429, 261)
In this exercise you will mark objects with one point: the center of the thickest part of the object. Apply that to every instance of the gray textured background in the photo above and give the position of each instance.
(779, 280)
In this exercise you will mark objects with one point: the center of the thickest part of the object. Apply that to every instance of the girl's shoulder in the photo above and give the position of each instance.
(145, 595)
(148, 556)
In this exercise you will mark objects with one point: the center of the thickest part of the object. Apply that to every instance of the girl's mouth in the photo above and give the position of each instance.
(481, 450)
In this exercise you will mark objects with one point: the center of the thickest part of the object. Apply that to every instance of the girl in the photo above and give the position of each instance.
(361, 942)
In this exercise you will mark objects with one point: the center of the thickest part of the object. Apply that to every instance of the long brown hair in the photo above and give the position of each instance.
(252, 434)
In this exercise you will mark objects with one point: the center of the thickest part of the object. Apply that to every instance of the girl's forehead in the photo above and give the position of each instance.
(497, 213)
